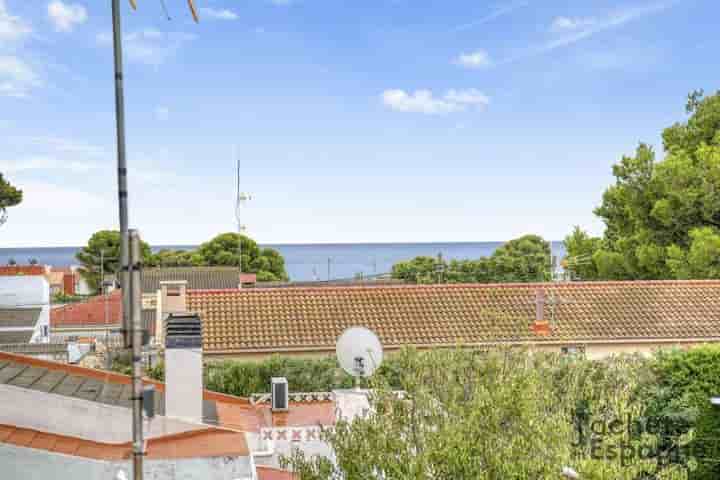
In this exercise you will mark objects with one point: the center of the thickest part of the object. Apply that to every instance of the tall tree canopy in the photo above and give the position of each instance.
(267, 263)
(9, 195)
(524, 259)
(222, 250)
(662, 218)
(104, 245)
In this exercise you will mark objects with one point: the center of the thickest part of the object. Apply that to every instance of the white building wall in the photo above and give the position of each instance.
(19, 463)
(79, 418)
(184, 383)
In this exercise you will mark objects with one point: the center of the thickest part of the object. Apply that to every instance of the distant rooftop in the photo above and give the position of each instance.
(198, 278)
(311, 319)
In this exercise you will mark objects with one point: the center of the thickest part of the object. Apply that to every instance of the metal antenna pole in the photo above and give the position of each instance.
(237, 215)
(137, 344)
(121, 170)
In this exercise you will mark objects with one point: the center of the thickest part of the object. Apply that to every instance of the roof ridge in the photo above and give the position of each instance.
(452, 286)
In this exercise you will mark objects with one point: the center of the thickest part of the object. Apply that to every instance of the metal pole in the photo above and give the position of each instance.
(328, 275)
(121, 170)
(239, 222)
(137, 341)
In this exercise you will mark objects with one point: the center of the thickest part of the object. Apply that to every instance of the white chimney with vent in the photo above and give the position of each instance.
(172, 298)
(183, 367)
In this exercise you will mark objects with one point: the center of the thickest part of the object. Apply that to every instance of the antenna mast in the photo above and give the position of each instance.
(240, 201)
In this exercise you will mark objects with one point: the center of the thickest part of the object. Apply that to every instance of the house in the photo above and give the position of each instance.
(600, 318)
(24, 309)
(59, 417)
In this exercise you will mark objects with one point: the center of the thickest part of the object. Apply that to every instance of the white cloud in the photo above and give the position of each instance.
(476, 59)
(219, 14)
(45, 163)
(66, 16)
(64, 145)
(496, 13)
(162, 113)
(423, 101)
(471, 96)
(611, 21)
(149, 46)
(17, 78)
(564, 24)
(12, 28)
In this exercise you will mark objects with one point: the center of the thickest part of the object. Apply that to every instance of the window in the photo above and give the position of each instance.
(573, 350)
(45, 331)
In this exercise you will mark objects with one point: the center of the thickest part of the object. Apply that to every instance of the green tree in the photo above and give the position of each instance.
(660, 216)
(9, 195)
(581, 249)
(524, 259)
(418, 270)
(175, 258)
(107, 242)
(267, 263)
(487, 415)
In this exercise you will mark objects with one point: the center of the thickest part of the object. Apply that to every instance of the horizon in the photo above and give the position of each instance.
(458, 120)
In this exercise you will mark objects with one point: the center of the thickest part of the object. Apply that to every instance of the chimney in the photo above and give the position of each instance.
(172, 298)
(183, 367)
(540, 326)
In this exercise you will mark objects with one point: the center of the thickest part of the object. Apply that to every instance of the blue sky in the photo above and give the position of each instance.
(380, 120)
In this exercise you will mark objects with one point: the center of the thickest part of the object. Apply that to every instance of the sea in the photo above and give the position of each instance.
(305, 262)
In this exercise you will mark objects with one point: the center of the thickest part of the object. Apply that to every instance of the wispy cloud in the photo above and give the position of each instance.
(565, 24)
(12, 28)
(44, 163)
(476, 59)
(66, 16)
(218, 14)
(497, 13)
(149, 46)
(423, 101)
(581, 29)
(17, 77)
(63, 145)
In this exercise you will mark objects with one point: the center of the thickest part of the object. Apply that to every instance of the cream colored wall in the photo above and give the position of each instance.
(593, 351)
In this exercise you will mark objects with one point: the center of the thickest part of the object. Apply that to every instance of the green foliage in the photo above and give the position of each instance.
(175, 258)
(9, 195)
(267, 263)
(108, 242)
(663, 217)
(500, 413)
(63, 298)
(304, 375)
(581, 249)
(524, 259)
(243, 378)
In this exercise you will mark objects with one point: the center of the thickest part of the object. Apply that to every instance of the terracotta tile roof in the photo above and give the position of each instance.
(210, 442)
(11, 270)
(198, 278)
(89, 313)
(297, 319)
(271, 473)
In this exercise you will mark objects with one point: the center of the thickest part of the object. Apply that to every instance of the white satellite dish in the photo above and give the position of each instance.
(359, 351)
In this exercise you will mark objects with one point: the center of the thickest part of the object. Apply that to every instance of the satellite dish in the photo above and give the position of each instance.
(359, 351)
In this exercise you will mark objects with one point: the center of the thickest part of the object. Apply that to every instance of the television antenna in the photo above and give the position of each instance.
(359, 352)
(130, 247)
(240, 201)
